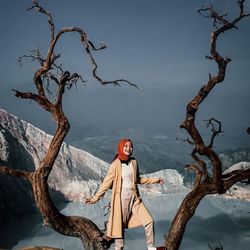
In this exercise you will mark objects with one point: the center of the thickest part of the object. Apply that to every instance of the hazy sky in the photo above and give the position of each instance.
(159, 45)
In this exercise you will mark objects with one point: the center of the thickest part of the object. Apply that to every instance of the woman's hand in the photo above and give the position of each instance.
(89, 201)
(161, 181)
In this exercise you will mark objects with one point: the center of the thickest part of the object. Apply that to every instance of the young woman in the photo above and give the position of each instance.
(127, 208)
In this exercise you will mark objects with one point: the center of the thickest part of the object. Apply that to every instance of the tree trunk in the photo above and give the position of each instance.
(184, 213)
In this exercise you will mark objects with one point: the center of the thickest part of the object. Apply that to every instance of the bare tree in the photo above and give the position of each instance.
(205, 183)
(51, 73)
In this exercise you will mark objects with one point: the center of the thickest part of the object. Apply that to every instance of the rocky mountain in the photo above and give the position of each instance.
(76, 174)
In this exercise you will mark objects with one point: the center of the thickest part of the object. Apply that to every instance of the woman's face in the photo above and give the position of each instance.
(128, 148)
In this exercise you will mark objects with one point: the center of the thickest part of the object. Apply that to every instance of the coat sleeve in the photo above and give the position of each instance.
(106, 184)
(145, 180)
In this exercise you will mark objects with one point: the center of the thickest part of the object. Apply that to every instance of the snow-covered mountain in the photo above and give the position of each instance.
(240, 190)
(76, 174)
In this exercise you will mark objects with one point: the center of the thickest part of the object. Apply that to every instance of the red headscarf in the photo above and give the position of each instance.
(120, 147)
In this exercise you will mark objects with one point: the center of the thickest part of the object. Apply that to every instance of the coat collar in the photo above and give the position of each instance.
(134, 165)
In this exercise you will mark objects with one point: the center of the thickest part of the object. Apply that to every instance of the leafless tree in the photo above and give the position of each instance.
(50, 76)
(206, 183)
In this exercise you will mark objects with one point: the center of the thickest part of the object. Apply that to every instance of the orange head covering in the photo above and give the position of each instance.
(120, 155)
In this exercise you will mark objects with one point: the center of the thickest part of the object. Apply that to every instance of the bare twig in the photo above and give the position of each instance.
(215, 131)
(40, 9)
(188, 140)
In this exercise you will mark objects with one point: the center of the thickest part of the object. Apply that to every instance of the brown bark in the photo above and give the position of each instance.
(184, 213)
(205, 184)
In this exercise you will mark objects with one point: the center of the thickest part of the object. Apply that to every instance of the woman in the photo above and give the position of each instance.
(127, 209)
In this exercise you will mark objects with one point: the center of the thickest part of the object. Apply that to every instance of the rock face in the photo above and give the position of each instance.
(76, 174)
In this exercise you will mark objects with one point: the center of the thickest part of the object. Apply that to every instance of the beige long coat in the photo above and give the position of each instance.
(113, 180)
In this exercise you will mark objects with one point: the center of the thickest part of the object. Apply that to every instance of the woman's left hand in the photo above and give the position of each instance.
(161, 181)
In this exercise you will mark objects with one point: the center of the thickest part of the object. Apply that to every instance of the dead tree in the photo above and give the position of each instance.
(51, 73)
(205, 183)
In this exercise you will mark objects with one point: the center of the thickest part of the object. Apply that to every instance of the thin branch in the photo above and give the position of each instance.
(215, 131)
(16, 173)
(188, 140)
(102, 46)
(210, 13)
(39, 99)
(40, 9)
(87, 44)
(35, 56)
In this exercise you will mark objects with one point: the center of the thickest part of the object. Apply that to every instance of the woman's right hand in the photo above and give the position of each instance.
(89, 201)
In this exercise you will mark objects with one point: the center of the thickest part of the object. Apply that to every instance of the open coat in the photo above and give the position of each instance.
(113, 180)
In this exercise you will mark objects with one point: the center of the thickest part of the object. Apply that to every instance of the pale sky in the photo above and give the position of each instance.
(159, 45)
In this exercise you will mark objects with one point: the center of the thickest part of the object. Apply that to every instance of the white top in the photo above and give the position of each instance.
(127, 175)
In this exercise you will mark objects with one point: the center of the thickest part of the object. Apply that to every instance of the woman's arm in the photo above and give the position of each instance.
(106, 184)
(146, 180)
